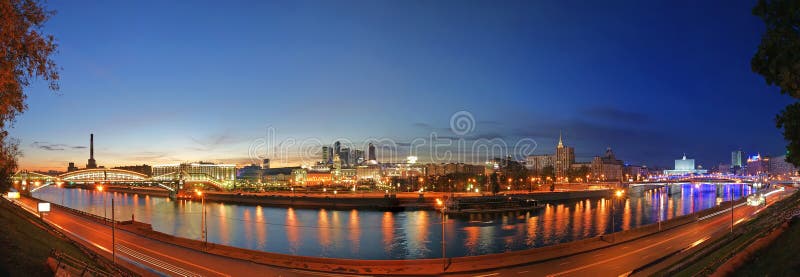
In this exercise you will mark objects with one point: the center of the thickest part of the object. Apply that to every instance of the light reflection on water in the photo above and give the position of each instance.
(401, 235)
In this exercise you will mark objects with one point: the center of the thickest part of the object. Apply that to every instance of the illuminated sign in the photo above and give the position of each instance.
(44, 207)
(12, 195)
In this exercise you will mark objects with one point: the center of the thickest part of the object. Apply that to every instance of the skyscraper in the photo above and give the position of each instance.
(326, 154)
(337, 148)
(91, 163)
(565, 157)
(371, 152)
(358, 156)
(736, 159)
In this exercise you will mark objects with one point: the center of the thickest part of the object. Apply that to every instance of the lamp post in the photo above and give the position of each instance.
(113, 233)
(60, 185)
(105, 214)
(203, 222)
(618, 194)
(443, 208)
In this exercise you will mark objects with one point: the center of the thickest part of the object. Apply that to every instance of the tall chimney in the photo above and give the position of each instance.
(91, 146)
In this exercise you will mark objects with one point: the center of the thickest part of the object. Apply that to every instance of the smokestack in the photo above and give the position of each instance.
(91, 146)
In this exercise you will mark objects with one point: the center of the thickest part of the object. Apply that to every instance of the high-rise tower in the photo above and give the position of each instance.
(91, 163)
(371, 152)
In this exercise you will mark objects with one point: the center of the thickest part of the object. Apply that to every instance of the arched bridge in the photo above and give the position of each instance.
(32, 181)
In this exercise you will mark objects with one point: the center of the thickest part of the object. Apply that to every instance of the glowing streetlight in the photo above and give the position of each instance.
(204, 223)
(443, 208)
(100, 189)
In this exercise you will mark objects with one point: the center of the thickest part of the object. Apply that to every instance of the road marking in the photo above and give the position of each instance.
(317, 273)
(564, 263)
(142, 248)
(523, 272)
(155, 262)
(486, 275)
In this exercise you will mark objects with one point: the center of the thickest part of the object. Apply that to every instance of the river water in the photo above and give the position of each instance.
(368, 234)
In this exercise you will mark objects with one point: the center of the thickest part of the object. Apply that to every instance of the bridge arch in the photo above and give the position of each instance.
(103, 175)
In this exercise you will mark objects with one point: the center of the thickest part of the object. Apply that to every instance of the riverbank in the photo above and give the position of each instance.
(420, 266)
(362, 200)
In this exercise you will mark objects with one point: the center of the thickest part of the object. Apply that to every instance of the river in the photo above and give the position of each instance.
(370, 234)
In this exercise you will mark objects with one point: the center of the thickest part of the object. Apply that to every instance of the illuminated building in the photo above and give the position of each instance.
(565, 157)
(144, 169)
(538, 162)
(684, 166)
(358, 156)
(779, 166)
(369, 172)
(607, 167)
(346, 156)
(223, 175)
(736, 159)
(757, 165)
(326, 154)
(443, 169)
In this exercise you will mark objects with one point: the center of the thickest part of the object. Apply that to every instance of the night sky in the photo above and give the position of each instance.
(164, 82)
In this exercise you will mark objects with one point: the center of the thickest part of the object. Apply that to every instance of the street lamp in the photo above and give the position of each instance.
(204, 223)
(618, 194)
(443, 208)
(105, 213)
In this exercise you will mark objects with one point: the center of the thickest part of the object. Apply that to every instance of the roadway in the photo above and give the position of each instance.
(160, 258)
(155, 258)
(624, 258)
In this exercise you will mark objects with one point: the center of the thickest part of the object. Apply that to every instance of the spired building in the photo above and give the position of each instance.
(565, 157)
(607, 167)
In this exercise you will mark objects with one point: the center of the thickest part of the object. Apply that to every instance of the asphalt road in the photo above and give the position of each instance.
(158, 258)
(624, 258)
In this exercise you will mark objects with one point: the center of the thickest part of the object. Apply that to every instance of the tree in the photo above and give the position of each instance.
(25, 55)
(778, 61)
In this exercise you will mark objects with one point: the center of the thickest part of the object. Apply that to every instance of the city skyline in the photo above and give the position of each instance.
(523, 71)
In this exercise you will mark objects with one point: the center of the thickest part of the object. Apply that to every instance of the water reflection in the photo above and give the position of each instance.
(402, 235)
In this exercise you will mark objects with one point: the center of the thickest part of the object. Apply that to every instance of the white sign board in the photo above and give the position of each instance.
(44, 207)
(13, 195)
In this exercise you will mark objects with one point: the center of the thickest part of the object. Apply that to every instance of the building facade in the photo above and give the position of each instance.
(565, 157)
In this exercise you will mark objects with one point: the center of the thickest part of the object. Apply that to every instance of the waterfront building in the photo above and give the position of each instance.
(144, 169)
(537, 163)
(757, 165)
(251, 173)
(736, 159)
(443, 169)
(223, 175)
(369, 172)
(607, 167)
(685, 166)
(778, 166)
(278, 176)
(637, 172)
(565, 157)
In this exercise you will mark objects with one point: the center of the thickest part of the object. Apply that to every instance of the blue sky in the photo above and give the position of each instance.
(163, 81)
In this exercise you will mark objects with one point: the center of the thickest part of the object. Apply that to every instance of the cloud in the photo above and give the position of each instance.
(41, 145)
